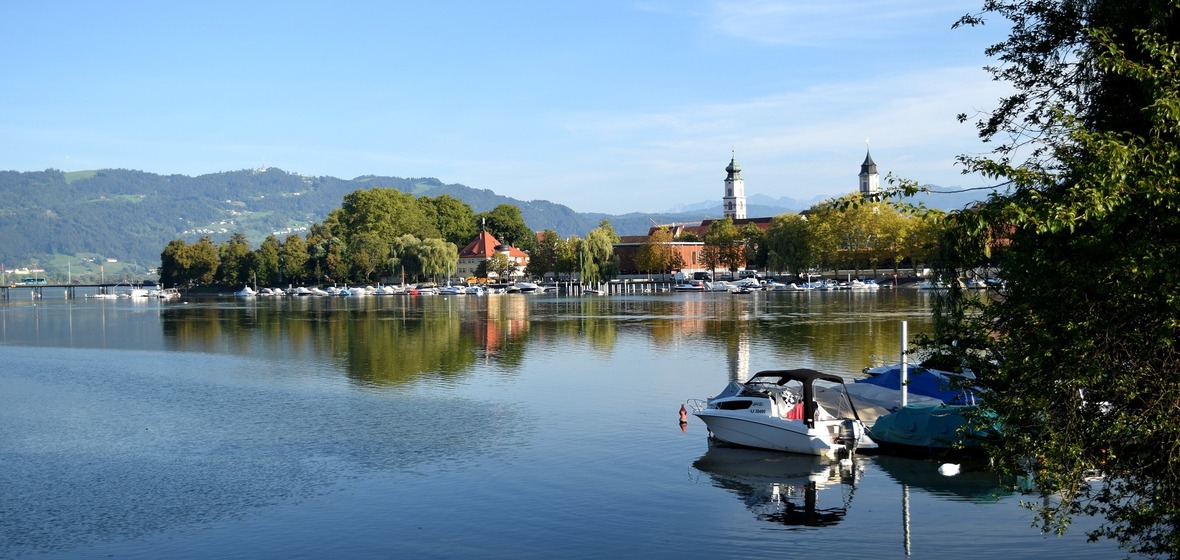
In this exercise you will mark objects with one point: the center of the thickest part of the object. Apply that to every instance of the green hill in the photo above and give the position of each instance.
(48, 218)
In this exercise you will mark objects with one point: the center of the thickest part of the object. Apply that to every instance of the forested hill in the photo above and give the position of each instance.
(131, 215)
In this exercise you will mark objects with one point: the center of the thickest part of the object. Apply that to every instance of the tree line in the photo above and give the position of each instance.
(385, 233)
(848, 233)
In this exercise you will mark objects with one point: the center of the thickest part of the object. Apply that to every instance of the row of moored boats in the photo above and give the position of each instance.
(392, 290)
(747, 285)
(814, 413)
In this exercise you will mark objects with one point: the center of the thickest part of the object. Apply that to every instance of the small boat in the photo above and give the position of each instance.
(930, 430)
(165, 293)
(246, 291)
(797, 410)
(689, 286)
(526, 287)
(718, 286)
(449, 290)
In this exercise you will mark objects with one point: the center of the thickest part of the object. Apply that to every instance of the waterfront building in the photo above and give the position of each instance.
(482, 248)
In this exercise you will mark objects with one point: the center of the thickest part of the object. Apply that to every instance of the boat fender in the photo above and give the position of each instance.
(683, 415)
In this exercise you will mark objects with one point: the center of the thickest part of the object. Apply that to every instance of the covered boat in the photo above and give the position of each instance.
(929, 430)
(797, 410)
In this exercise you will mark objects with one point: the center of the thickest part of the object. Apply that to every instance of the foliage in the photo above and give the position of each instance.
(596, 254)
(657, 255)
(724, 246)
(505, 223)
(452, 217)
(543, 259)
(789, 245)
(1079, 351)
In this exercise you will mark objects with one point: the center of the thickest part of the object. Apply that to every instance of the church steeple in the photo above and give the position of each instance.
(870, 181)
(735, 191)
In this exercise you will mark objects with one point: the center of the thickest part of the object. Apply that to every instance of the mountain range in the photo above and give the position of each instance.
(127, 215)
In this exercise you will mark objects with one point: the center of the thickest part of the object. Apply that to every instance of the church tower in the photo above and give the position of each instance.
(870, 181)
(735, 191)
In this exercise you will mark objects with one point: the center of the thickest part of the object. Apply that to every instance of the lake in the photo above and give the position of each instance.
(509, 426)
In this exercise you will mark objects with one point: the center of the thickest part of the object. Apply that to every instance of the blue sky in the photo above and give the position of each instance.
(604, 106)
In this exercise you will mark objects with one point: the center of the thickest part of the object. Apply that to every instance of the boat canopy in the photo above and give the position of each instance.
(783, 376)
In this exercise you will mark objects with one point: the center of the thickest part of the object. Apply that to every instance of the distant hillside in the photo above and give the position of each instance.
(131, 215)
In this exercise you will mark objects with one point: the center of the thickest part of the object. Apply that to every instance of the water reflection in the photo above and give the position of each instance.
(396, 340)
(970, 485)
(783, 488)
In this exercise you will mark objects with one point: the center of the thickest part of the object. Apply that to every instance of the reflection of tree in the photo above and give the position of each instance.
(377, 343)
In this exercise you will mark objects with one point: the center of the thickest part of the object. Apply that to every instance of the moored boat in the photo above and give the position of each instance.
(798, 410)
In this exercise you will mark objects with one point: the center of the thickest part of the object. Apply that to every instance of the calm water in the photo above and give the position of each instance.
(441, 427)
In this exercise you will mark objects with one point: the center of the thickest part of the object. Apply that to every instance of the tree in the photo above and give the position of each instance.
(174, 263)
(789, 245)
(237, 260)
(656, 254)
(402, 257)
(496, 265)
(438, 258)
(204, 261)
(543, 259)
(1079, 355)
(294, 253)
(505, 223)
(386, 213)
(595, 253)
(452, 217)
(366, 252)
(723, 246)
(270, 267)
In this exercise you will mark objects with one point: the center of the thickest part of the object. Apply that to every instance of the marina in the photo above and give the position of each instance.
(513, 426)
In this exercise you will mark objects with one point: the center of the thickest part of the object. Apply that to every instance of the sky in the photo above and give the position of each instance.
(608, 106)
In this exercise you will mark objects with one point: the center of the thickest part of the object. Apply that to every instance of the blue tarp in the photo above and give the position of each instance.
(928, 382)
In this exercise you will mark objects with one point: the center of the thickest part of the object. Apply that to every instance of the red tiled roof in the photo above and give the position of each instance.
(484, 246)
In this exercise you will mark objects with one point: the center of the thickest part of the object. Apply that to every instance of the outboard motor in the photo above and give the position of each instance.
(850, 433)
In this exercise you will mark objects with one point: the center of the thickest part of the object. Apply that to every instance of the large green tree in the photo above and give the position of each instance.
(543, 259)
(506, 224)
(452, 217)
(788, 245)
(1079, 354)
(386, 213)
(237, 261)
(724, 246)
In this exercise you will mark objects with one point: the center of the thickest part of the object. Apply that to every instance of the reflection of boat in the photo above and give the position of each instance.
(781, 487)
(798, 410)
(970, 485)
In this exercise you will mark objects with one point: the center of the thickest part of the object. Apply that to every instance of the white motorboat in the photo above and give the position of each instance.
(718, 286)
(526, 287)
(689, 286)
(246, 291)
(164, 293)
(797, 410)
(449, 290)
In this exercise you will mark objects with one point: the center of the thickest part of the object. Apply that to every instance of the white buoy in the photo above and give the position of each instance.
(948, 469)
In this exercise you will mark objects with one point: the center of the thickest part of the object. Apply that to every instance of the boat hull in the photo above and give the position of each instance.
(771, 433)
